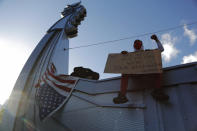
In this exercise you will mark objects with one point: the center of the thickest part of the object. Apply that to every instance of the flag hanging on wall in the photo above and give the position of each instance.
(53, 91)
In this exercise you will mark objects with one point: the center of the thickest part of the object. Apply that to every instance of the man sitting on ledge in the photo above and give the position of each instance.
(158, 93)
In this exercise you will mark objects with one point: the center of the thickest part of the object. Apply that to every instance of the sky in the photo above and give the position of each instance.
(24, 22)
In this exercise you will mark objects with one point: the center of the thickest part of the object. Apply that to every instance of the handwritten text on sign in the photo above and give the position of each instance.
(142, 62)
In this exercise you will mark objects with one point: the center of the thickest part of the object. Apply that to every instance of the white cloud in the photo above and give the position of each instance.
(189, 58)
(170, 51)
(191, 34)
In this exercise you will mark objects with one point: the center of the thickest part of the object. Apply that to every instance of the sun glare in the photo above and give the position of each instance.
(13, 57)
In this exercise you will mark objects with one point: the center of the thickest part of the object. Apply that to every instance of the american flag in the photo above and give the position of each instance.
(53, 91)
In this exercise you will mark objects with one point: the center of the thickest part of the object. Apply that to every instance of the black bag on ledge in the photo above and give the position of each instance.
(85, 73)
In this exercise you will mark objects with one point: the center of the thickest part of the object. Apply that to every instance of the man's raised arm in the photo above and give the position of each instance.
(160, 46)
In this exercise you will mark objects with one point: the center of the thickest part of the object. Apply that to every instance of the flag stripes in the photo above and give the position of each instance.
(53, 91)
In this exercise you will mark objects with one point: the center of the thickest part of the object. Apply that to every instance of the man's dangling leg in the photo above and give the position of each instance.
(158, 92)
(124, 85)
(123, 90)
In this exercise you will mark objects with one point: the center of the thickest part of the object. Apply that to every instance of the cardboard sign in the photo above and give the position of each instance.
(141, 62)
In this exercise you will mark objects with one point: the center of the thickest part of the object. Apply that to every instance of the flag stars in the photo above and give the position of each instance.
(48, 100)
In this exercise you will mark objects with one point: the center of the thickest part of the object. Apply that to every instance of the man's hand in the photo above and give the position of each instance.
(148, 50)
(124, 52)
(154, 37)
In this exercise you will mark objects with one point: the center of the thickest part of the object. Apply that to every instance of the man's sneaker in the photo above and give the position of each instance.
(120, 99)
(159, 95)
